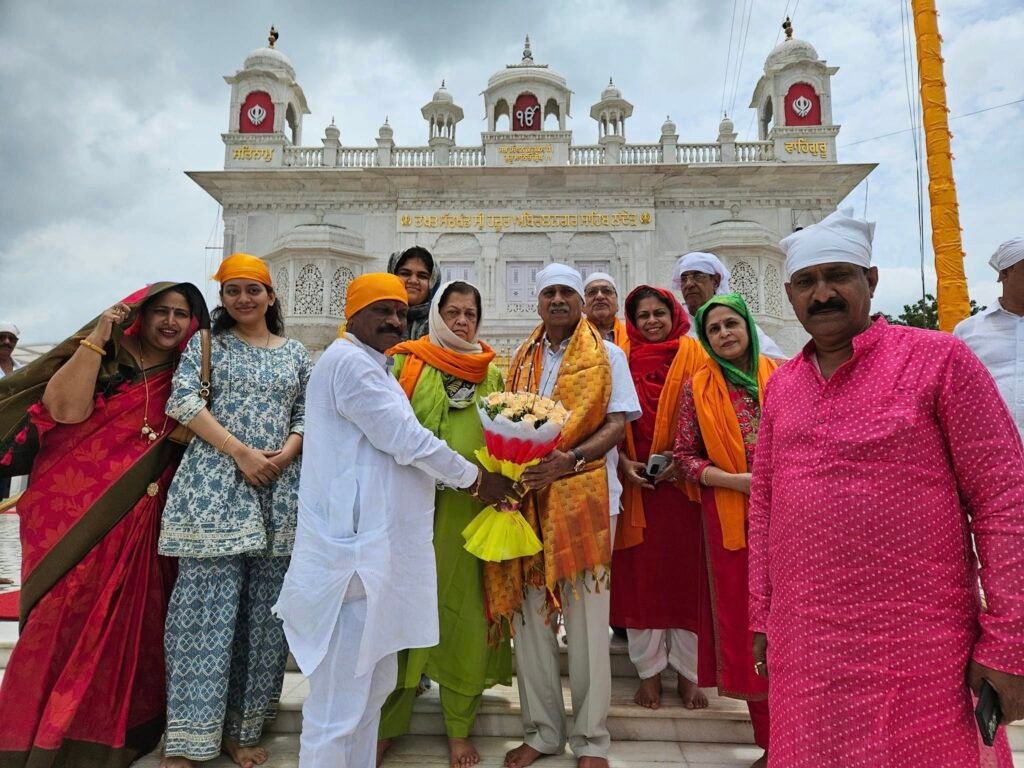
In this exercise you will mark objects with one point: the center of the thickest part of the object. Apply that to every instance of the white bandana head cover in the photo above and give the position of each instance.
(560, 274)
(10, 328)
(593, 277)
(443, 336)
(1007, 254)
(698, 261)
(837, 238)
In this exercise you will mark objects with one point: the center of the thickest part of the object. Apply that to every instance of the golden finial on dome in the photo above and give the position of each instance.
(787, 25)
(272, 37)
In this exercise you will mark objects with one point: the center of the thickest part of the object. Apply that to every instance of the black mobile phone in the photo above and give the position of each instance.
(988, 713)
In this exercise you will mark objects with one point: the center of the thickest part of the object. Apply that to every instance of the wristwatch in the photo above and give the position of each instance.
(581, 460)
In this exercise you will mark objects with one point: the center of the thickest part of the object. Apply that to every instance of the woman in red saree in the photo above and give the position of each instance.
(659, 591)
(84, 686)
(719, 413)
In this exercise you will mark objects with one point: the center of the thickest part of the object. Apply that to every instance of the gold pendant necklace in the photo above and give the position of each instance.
(148, 433)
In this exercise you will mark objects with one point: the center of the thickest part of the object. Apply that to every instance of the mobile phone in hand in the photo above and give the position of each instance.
(988, 712)
(655, 464)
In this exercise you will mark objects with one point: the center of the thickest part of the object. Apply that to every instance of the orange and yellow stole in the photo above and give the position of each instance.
(571, 516)
(720, 431)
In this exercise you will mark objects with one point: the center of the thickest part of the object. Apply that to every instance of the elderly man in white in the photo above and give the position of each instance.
(996, 334)
(362, 581)
(698, 276)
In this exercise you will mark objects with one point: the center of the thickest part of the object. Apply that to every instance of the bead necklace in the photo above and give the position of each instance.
(148, 433)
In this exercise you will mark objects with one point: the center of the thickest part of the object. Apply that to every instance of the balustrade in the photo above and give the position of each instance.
(303, 157)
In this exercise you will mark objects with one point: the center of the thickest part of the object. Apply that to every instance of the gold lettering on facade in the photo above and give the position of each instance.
(525, 153)
(480, 221)
(804, 147)
(245, 152)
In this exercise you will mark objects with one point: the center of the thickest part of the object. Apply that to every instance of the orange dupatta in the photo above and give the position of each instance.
(466, 366)
(632, 521)
(723, 441)
(621, 338)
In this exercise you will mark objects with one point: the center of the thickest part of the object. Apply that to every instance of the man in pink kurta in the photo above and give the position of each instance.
(882, 450)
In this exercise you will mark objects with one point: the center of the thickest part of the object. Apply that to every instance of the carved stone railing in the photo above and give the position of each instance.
(357, 157)
(755, 151)
(412, 157)
(466, 157)
(586, 154)
(303, 157)
(698, 153)
(640, 154)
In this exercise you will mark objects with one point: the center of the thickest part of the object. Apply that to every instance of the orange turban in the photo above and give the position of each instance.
(376, 286)
(242, 266)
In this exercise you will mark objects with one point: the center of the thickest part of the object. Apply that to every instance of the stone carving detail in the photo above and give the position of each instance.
(339, 290)
(524, 244)
(309, 291)
(281, 284)
(772, 291)
(744, 282)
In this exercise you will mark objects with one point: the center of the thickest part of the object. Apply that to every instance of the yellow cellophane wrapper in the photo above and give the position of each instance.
(501, 534)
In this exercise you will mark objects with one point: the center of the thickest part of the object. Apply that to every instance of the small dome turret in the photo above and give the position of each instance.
(610, 91)
(668, 128)
(789, 51)
(386, 131)
(269, 58)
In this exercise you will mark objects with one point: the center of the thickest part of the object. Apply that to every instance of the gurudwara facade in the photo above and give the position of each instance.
(495, 212)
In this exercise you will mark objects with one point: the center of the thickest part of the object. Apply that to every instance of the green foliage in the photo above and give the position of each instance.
(924, 313)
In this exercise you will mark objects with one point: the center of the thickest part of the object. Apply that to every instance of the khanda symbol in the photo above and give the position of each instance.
(525, 116)
(257, 114)
(802, 106)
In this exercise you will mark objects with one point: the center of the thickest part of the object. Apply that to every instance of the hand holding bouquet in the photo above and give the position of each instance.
(520, 428)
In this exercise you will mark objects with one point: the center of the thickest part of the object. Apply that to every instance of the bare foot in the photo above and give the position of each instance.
(176, 762)
(693, 697)
(383, 745)
(761, 762)
(649, 693)
(522, 756)
(462, 753)
(592, 762)
(244, 757)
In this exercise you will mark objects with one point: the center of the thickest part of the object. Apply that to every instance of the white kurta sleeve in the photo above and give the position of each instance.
(768, 346)
(368, 397)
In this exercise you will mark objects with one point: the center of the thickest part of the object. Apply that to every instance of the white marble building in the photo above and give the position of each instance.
(496, 212)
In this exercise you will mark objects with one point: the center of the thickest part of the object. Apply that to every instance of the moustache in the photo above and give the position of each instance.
(826, 306)
(390, 329)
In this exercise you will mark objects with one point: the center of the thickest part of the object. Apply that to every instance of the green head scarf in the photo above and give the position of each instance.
(745, 379)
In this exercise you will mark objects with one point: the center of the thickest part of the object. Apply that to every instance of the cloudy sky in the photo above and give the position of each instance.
(110, 102)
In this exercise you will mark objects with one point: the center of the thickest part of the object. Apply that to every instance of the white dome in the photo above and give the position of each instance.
(270, 59)
(726, 126)
(441, 94)
(610, 92)
(788, 52)
(668, 128)
(386, 131)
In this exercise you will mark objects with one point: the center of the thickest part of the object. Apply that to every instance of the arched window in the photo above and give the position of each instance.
(339, 290)
(309, 291)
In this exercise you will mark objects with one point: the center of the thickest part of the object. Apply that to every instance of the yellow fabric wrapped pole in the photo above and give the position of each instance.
(954, 302)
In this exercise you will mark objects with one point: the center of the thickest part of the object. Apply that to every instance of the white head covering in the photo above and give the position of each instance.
(560, 274)
(1007, 254)
(443, 336)
(698, 261)
(837, 238)
(10, 328)
(593, 277)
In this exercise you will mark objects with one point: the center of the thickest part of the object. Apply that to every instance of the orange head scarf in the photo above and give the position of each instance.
(375, 286)
(243, 266)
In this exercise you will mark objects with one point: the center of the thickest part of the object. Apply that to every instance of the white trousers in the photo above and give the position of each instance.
(342, 712)
(652, 651)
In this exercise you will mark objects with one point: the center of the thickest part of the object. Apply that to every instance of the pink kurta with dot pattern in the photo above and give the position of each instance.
(866, 490)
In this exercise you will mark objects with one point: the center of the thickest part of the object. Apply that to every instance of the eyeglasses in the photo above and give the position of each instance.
(601, 290)
(9, 337)
(694, 277)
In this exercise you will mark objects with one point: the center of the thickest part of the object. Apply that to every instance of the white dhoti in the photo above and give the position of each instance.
(342, 712)
(652, 651)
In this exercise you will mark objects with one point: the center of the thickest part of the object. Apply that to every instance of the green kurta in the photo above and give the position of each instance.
(463, 661)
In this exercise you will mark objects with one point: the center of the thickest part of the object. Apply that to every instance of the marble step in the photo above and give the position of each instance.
(432, 752)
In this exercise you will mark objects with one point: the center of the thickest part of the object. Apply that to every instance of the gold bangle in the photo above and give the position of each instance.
(474, 489)
(89, 345)
(703, 479)
(222, 445)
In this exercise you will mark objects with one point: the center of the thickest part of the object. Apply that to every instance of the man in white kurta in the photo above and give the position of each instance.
(362, 581)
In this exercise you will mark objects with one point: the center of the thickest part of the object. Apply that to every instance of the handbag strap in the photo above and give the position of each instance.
(204, 366)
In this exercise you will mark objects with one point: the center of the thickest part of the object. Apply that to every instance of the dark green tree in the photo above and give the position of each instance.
(924, 313)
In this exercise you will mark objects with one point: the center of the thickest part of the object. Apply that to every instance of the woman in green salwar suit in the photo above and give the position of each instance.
(444, 374)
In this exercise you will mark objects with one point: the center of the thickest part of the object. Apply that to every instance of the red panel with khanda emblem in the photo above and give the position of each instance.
(257, 114)
(803, 107)
(526, 115)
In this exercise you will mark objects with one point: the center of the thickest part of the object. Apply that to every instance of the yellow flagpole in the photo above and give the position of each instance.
(954, 302)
